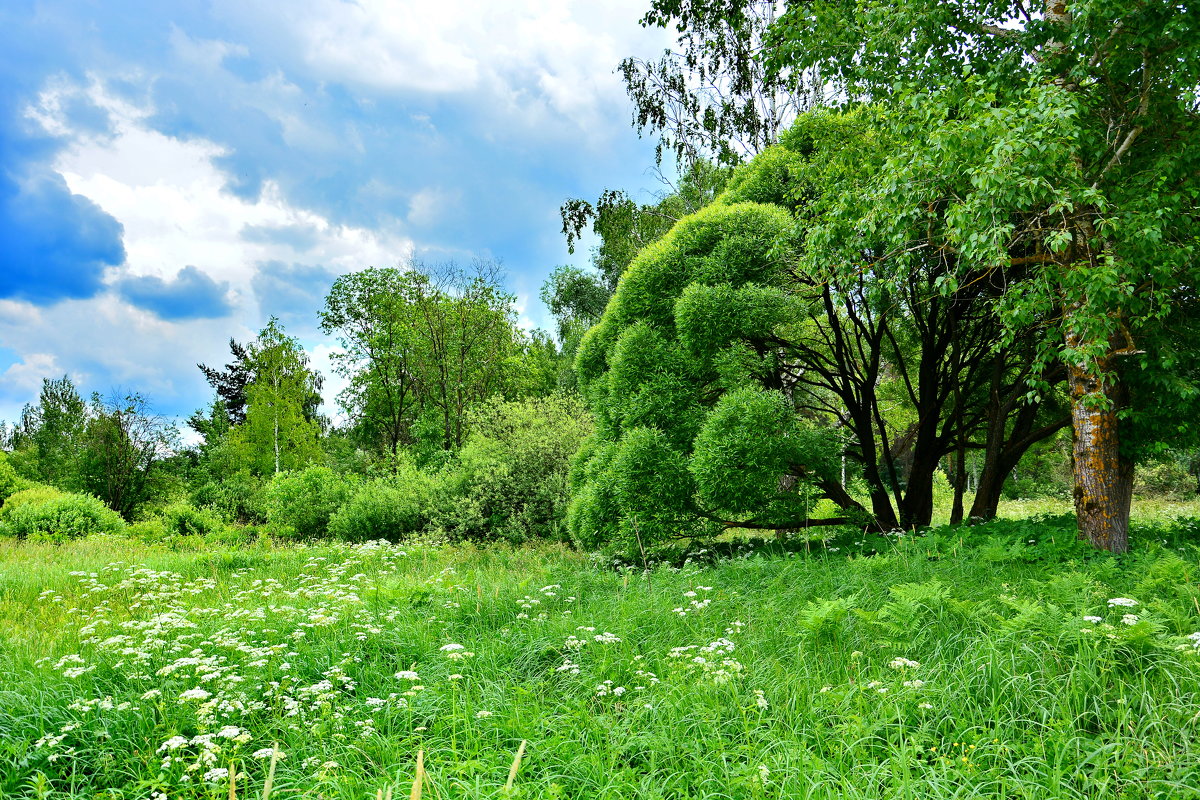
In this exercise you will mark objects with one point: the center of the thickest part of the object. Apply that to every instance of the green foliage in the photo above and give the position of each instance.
(679, 375)
(391, 508)
(237, 496)
(10, 482)
(278, 433)
(301, 503)
(510, 480)
(183, 519)
(31, 495)
(59, 517)
(749, 440)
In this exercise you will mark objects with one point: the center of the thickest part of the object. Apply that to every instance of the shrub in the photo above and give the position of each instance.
(1164, 479)
(62, 517)
(182, 519)
(34, 495)
(237, 497)
(301, 503)
(387, 508)
(510, 479)
(10, 482)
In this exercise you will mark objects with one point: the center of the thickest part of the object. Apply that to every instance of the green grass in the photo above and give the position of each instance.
(754, 676)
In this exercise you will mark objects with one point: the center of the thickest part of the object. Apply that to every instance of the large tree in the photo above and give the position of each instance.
(123, 443)
(1060, 140)
(373, 314)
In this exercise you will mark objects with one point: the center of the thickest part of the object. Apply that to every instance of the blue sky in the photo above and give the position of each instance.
(171, 174)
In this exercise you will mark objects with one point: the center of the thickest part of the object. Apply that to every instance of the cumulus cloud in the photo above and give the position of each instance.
(524, 62)
(189, 295)
(292, 292)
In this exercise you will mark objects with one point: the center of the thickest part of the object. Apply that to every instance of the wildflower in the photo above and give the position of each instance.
(266, 752)
(1129, 619)
(1093, 620)
(150, 695)
(174, 743)
(926, 706)
(482, 714)
(903, 663)
(216, 774)
(450, 648)
(763, 773)
(914, 684)
(195, 694)
(455, 677)
(229, 732)
(760, 699)
(1122, 601)
(408, 674)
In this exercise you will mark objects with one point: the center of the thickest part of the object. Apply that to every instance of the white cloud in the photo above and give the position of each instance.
(172, 200)
(24, 378)
(523, 63)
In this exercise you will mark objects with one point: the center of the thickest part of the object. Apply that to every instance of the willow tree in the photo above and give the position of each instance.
(1062, 139)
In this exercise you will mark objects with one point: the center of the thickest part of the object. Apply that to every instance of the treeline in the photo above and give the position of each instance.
(455, 423)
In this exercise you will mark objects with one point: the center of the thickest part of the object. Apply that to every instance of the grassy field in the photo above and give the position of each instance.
(1001, 661)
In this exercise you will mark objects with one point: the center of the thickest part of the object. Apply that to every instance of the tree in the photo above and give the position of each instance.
(47, 439)
(123, 441)
(373, 311)
(464, 334)
(716, 98)
(277, 434)
(1061, 144)
(232, 383)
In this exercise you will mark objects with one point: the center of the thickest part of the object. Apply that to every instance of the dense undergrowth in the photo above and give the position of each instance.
(1005, 660)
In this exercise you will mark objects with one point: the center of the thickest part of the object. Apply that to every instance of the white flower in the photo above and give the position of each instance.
(450, 648)
(150, 695)
(924, 705)
(1129, 619)
(903, 663)
(1122, 601)
(760, 699)
(409, 675)
(482, 714)
(763, 773)
(266, 753)
(914, 684)
(195, 694)
(216, 774)
(1093, 620)
(174, 743)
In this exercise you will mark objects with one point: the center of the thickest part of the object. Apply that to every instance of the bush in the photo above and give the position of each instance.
(387, 508)
(10, 482)
(237, 497)
(510, 479)
(62, 517)
(1167, 479)
(34, 495)
(182, 519)
(301, 503)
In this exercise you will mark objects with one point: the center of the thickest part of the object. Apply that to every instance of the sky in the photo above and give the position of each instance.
(173, 174)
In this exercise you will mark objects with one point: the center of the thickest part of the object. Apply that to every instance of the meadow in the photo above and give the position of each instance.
(1005, 660)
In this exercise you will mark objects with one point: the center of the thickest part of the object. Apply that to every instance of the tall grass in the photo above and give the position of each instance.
(962, 663)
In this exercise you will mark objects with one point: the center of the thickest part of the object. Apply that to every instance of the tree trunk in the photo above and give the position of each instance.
(1103, 477)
